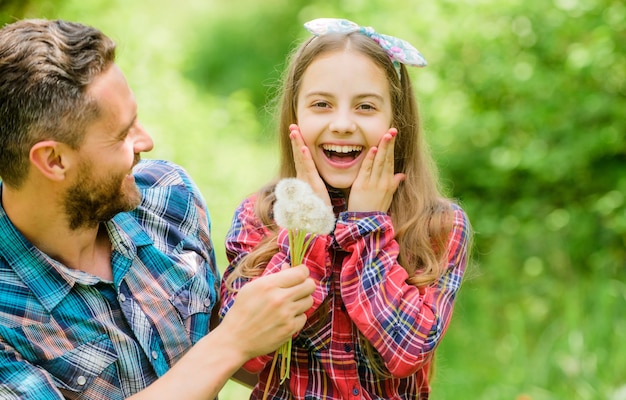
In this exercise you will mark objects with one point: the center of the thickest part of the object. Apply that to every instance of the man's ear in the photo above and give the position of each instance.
(51, 158)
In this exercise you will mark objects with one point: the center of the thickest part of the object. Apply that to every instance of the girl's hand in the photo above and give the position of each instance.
(376, 182)
(305, 167)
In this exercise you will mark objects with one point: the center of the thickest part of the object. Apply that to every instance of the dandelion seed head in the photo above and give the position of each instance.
(297, 207)
(291, 189)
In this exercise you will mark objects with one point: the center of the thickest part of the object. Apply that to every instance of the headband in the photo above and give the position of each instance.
(400, 51)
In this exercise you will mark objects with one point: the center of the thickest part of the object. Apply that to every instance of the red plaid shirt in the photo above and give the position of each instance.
(358, 276)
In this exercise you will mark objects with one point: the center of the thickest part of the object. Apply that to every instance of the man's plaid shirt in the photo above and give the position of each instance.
(65, 333)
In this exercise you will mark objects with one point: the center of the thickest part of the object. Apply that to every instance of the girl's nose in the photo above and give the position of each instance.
(342, 123)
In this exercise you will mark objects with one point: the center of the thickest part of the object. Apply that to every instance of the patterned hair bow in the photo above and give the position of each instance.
(400, 51)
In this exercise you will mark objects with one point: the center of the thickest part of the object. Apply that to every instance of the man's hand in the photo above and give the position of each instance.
(269, 310)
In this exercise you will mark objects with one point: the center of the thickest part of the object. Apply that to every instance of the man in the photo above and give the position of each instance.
(107, 271)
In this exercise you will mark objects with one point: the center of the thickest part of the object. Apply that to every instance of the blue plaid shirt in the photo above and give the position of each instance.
(65, 333)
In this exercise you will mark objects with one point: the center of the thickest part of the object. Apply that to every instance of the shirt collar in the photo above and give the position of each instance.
(38, 271)
(126, 236)
(337, 200)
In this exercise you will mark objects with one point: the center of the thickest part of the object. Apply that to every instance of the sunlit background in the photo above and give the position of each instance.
(524, 106)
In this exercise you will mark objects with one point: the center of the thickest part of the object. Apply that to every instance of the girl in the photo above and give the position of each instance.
(387, 276)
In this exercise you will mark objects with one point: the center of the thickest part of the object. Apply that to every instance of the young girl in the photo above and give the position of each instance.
(388, 274)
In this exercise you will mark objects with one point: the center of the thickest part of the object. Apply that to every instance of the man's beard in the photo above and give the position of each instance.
(89, 201)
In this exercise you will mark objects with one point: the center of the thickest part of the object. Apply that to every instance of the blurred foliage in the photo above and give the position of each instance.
(523, 103)
(12, 10)
(243, 51)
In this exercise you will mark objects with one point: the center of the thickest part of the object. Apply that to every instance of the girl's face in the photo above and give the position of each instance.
(343, 109)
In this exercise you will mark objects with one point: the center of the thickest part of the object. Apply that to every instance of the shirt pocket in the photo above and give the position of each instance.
(77, 369)
(195, 298)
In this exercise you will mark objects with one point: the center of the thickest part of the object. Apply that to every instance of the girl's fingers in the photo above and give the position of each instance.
(305, 166)
(376, 181)
(368, 163)
(296, 146)
(387, 147)
(390, 162)
(383, 163)
(389, 156)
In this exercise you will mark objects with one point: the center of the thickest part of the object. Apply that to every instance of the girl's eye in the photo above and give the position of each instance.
(320, 104)
(366, 107)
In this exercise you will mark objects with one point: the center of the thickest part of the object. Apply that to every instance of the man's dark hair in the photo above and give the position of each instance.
(45, 69)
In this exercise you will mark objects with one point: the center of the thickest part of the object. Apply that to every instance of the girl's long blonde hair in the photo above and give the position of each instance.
(421, 215)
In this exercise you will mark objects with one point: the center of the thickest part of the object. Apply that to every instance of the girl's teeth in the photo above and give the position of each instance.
(341, 149)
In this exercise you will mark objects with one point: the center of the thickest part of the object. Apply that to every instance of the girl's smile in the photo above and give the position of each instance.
(342, 156)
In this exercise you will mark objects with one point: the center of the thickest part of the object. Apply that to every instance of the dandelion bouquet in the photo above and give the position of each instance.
(299, 210)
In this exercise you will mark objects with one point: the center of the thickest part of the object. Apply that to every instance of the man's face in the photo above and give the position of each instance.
(102, 184)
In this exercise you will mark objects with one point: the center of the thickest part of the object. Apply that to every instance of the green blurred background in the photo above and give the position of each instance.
(524, 106)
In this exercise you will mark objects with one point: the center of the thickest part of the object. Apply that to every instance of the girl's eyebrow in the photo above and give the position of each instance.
(318, 93)
(360, 96)
(366, 95)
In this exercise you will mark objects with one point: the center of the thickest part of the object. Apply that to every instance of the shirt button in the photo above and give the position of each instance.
(155, 355)
(122, 297)
(355, 391)
(207, 302)
(81, 380)
(347, 348)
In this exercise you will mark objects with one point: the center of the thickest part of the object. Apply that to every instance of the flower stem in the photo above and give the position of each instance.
(269, 377)
(298, 243)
